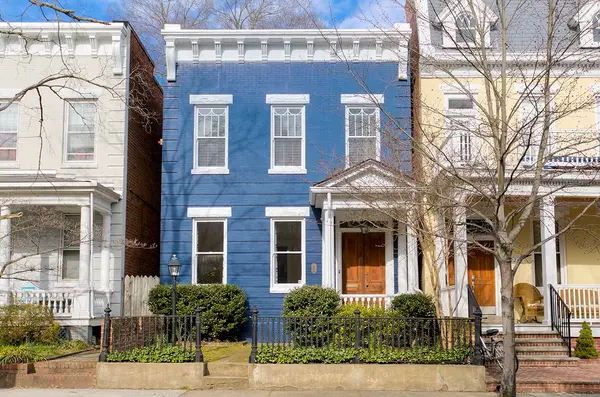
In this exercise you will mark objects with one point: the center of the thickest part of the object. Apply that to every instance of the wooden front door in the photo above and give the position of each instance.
(482, 276)
(363, 263)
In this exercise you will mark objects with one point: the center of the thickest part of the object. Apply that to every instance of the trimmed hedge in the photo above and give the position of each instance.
(223, 307)
(312, 301)
(27, 323)
(415, 305)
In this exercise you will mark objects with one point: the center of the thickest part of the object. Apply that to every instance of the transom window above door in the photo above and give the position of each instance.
(362, 134)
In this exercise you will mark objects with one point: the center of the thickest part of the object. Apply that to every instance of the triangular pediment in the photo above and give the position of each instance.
(368, 174)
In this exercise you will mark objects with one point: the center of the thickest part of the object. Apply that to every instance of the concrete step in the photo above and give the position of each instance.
(219, 368)
(226, 382)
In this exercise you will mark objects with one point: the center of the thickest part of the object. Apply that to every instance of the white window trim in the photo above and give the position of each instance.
(209, 212)
(287, 99)
(362, 99)
(448, 22)
(452, 93)
(13, 163)
(288, 169)
(195, 221)
(347, 134)
(211, 99)
(79, 163)
(287, 212)
(551, 131)
(224, 170)
(275, 288)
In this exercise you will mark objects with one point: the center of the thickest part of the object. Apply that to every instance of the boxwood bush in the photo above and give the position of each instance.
(413, 305)
(27, 323)
(311, 301)
(223, 307)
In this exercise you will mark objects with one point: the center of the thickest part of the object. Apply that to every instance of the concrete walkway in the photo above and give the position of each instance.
(236, 393)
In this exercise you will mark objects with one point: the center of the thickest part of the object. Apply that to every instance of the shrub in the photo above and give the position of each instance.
(27, 323)
(223, 307)
(414, 305)
(17, 354)
(159, 353)
(585, 343)
(311, 301)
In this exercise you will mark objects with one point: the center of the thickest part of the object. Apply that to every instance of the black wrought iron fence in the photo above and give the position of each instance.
(364, 339)
(123, 334)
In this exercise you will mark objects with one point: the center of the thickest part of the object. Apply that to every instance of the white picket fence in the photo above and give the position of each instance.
(135, 294)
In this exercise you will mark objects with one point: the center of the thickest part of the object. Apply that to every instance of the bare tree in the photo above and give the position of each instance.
(504, 143)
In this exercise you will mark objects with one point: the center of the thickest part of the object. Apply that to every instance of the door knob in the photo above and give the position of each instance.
(473, 281)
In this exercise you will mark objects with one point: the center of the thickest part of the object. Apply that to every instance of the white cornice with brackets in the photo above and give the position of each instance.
(67, 39)
(286, 45)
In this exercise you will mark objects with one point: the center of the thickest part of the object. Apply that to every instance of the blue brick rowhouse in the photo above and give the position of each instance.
(264, 131)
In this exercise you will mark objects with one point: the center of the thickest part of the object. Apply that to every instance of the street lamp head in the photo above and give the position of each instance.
(174, 267)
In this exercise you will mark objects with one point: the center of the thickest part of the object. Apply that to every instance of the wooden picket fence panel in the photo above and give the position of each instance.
(135, 298)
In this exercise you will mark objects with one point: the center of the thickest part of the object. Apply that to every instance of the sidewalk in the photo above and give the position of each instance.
(234, 393)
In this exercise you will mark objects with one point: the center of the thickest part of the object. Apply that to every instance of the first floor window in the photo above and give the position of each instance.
(537, 255)
(211, 137)
(81, 127)
(362, 129)
(70, 247)
(210, 251)
(9, 123)
(287, 247)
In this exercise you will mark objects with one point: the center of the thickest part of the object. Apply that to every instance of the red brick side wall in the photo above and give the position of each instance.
(144, 154)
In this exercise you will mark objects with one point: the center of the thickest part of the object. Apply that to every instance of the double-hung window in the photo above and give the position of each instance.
(211, 133)
(81, 131)
(9, 124)
(363, 140)
(466, 30)
(209, 244)
(288, 133)
(461, 128)
(538, 263)
(288, 248)
(532, 127)
(70, 248)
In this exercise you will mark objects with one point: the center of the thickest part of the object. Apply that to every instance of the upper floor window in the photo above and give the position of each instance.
(587, 22)
(466, 31)
(532, 126)
(9, 125)
(596, 27)
(362, 134)
(461, 128)
(211, 138)
(81, 131)
(287, 139)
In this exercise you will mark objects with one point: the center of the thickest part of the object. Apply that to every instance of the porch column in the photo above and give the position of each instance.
(82, 301)
(412, 259)
(5, 244)
(328, 255)
(441, 262)
(461, 279)
(105, 254)
(402, 260)
(548, 230)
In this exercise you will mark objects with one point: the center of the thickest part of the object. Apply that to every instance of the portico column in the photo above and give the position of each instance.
(441, 261)
(460, 262)
(402, 259)
(105, 254)
(328, 255)
(548, 230)
(412, 259)
(82, 301)
(5, 244)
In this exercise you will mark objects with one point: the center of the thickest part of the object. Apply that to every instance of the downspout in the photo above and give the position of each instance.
(91, 279)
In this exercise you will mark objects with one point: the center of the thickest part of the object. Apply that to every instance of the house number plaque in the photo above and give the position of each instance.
(313, 268)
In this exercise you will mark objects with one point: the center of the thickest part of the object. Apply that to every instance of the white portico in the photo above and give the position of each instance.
(73, 280)
(367, 255)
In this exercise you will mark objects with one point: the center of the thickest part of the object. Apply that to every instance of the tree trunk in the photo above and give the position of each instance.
(509, 384)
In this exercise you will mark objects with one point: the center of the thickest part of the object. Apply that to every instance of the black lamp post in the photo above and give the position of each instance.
(174, 269)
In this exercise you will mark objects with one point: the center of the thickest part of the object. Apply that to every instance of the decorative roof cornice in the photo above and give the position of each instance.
(287, 45)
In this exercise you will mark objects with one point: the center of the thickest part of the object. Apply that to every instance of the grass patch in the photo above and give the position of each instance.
(230, 352)
(33, 352)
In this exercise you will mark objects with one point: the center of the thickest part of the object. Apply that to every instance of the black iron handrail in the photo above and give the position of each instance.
(472, 302)
(477, 316)
(560, 316)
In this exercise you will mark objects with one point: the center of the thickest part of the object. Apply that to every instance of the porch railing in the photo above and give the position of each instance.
(365, 339)
(60, 304)
(582, 300)
(560, 316)
(365, 300)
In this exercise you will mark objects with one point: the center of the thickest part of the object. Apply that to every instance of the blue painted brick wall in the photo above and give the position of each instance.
(248, 189)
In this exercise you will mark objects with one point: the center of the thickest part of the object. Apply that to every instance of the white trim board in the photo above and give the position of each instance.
(209, 212)
(287, 99)
(361, 99)
(211, 99)
(283, 212)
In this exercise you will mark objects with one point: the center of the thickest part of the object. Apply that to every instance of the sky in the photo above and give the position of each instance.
(348, 14)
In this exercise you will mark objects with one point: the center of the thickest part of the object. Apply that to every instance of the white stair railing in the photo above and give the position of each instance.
(583, 301)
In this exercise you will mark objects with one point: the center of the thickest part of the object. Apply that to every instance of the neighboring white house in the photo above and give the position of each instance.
(95, 159)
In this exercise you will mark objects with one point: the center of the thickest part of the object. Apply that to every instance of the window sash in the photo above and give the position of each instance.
(362, 125)
(287, 137)
(211, 125)
(197, 255)
(277, 254)
(80, 142)
(9, 125)
(461, 139)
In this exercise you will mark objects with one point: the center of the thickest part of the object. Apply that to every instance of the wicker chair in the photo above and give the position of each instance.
(531, 301)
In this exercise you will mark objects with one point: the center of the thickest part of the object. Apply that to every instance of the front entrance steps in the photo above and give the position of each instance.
(226, 376)
(541, 348)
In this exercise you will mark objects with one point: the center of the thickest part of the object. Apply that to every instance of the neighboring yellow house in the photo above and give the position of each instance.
(449, 92)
